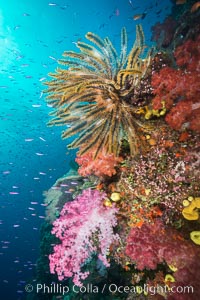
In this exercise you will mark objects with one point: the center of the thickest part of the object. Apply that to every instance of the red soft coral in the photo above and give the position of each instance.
(155, 243)
(179, 88)
(103, 164)
(179, 114)
(165, 87)
(188, 55)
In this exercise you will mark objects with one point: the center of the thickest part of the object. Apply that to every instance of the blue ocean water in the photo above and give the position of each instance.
(33, 35)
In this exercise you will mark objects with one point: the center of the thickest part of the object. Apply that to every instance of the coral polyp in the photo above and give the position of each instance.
(97, 94)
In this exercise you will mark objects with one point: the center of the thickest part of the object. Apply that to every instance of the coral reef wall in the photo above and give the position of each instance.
(129, 217)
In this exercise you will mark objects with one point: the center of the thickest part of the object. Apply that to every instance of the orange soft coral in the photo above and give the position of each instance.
(103, 164)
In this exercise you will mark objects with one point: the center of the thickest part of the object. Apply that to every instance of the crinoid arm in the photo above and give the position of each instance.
(91, 94)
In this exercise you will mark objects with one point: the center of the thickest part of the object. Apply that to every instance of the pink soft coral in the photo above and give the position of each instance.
(103, 164)
(85, 227)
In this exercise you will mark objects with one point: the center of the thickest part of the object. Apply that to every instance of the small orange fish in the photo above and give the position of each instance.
(195, 6)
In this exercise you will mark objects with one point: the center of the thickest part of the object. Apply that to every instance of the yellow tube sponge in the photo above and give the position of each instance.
(190, 215)
(173, 268)
(115, 197)
(189, 212)
(197, 202)
(107, 202)
(169, 278)
(186, 203)
(195, 237)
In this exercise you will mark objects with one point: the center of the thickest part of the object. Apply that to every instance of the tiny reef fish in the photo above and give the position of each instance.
(139, 16)
(195, 6)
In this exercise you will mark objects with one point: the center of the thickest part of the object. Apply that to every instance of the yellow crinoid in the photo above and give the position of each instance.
(92, 95)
